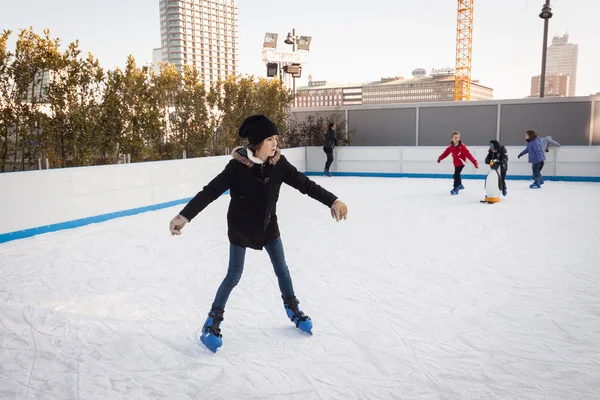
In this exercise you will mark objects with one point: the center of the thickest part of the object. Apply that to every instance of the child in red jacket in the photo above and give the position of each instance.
(460, 153)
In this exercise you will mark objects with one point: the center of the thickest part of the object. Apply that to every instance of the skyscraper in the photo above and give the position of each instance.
(201, 33)
(562, 59)
(38, 89)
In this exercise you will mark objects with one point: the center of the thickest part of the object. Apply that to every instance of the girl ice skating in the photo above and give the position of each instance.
(536, 157)
(460, 154)
(254, 177)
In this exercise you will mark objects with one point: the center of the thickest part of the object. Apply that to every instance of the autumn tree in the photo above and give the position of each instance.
(62, 105)
(237, 98)
(22, 76)
(73, 97)
(6, 108)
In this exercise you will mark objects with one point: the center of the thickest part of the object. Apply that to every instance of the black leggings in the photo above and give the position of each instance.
(457, 180)
(329, 152)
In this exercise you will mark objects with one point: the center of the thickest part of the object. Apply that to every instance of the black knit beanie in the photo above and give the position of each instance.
(257, 128)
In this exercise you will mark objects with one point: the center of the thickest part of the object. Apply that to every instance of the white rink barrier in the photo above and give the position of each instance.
(568, 163)
(35, 202)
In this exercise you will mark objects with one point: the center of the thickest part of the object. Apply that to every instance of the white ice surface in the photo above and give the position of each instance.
(419, 295)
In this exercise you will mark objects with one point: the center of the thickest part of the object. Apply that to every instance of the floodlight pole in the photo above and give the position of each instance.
(546, 14)
(293, 77)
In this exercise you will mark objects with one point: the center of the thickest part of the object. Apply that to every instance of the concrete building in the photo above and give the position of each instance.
(427, 89)
(562, 59)
(201, 33)
(557, 85)
(156, 59)
(37, 91)
(421, 88)
(323, 94)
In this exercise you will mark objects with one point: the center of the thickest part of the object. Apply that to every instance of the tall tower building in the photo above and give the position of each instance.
(562, 59)
(201, 33)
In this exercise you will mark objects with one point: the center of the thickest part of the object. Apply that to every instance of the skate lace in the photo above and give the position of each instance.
(293, 305)
(214, 328)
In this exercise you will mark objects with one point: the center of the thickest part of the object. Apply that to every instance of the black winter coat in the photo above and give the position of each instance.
(254, 190)
(330, 139)
(501, 155)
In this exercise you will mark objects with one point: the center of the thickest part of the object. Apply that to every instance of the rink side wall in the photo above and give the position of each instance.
(36, 202)
(567, 163)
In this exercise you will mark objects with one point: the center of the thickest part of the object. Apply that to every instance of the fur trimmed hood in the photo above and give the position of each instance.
(245, 156)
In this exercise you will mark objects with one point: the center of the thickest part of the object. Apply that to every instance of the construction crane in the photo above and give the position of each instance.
(464, 51)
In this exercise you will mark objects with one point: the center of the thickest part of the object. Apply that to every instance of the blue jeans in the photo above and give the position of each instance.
(237, 255)
(537, 171)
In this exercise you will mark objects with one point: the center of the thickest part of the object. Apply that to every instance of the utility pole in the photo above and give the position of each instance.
(293, 77)
(546, 14)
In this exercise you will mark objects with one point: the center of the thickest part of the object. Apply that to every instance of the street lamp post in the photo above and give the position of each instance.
(292, 39)
(546, 14)
(292, 62)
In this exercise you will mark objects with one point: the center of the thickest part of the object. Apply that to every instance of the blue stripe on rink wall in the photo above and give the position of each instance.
(449, 176)
(7, 237)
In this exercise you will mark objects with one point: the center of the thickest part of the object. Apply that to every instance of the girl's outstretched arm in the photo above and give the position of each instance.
(304, 185)
(209, 193)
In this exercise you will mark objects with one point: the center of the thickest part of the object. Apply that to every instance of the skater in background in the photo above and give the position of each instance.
(254, 177)
(460, 154)
(536, 157)
(330, 143)
(498, 152)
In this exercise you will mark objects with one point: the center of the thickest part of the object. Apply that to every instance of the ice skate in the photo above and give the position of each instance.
(302, 321)
(211, 332)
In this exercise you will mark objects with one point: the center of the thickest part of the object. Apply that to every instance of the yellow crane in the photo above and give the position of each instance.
(464, 51)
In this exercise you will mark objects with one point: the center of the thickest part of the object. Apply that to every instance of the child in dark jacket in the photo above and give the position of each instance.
(498, 152)
(536, 157)
(254, 177)
(460, 154)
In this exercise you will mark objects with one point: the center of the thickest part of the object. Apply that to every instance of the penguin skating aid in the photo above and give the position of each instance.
(493, 184)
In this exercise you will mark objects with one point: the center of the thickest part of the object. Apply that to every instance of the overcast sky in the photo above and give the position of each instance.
(352, 41)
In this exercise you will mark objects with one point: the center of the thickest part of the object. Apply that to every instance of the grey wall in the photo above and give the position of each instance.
(385, 127)
(567, 123)
(477, 125)
(303, 115)
(566, 120)
(596, 134)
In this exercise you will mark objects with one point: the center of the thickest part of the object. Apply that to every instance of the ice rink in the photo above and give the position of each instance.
(419, 295)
